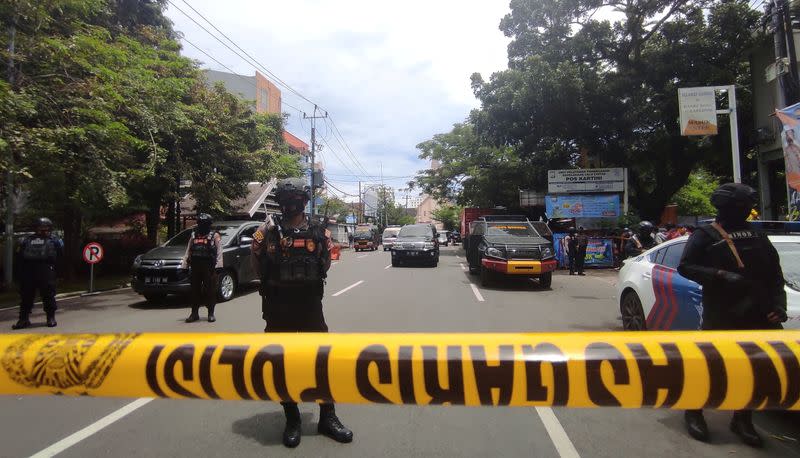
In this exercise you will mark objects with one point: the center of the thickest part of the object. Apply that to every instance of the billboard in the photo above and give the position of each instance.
(585, 180)
(582, 206)
(599, 252)
(698, 110)
(790, 137)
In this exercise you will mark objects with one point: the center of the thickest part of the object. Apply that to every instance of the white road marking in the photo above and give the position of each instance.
(477, 293)
(564, 446)
(387, 267)
(88, 431)
(362, 256)
(458, 257)
(349, 288)
(463, 267)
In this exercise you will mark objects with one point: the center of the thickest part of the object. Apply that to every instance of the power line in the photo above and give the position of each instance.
(252, 61)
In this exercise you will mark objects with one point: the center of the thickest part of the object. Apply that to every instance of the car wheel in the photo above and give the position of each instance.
(227, 286)
(546, 279)
(632, 313)
(155, 298)
(472, 269)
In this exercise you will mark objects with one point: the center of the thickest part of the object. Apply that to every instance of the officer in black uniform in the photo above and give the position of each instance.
(204, 257)
(742, 281)
(293, 256)
(36, 266)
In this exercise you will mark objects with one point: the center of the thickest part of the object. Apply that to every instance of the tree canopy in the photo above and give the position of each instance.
(103, 117)
(579, 85)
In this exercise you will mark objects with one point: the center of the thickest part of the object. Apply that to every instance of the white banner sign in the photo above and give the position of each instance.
(585, 180)
(698, 110)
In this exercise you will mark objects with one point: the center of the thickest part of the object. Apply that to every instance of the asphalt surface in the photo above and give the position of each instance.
(405, 299)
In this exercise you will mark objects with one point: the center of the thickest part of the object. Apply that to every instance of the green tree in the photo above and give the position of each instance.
(694, 198)
(449, 216)
(335, 207)
(579, 85)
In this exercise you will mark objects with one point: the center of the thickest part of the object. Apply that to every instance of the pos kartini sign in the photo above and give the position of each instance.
(790, 117)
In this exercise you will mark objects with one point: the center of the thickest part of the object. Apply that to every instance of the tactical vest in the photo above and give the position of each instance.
(296, 257)
(204, 249)
(39, 249)
(745, 299)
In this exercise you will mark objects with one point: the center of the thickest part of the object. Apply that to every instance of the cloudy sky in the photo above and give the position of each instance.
(390, 74)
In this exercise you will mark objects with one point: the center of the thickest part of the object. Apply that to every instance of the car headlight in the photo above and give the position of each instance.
(137, 261)
(547, 252)
(495, 253)
(428, 246)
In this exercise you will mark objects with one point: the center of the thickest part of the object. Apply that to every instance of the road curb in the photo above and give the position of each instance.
(72, 295)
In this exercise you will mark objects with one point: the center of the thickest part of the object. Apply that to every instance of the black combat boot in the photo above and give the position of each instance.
(696, 425)
(742, 426)
(291, 434)
(51, 320)
(329, 425)
(194, 316)
(22, 323)
(211, 317)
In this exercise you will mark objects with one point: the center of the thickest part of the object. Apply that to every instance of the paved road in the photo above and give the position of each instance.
(388, 299)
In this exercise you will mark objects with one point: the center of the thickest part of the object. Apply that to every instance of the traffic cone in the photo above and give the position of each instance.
(335, 250)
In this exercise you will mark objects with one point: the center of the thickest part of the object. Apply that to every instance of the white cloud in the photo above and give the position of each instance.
(390, 74)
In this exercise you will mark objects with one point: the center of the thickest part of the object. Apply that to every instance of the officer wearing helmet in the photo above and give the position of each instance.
(641, 241)
(204, 258)
(36, 266)
(742, 282)
(293, 257)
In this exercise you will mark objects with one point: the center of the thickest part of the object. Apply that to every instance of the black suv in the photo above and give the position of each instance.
(418, 243)
(159, 272)
(509, 245)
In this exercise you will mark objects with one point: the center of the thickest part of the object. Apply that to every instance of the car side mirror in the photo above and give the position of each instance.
(245, 241)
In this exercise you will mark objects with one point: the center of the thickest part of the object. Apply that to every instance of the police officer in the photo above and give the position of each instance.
(581, 244)
(204, 257)
(742, 282)
(293, 256)
(36, 266)
(641, 241)
(572, 248)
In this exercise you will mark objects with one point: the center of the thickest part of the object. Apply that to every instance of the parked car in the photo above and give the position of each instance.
(416, 243)
(158, 272)
(389, 236)
(509, 245)
(443, 238)
(652, 294)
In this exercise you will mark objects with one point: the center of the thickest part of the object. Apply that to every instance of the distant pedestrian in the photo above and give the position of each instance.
(581, 244)
(572, 249)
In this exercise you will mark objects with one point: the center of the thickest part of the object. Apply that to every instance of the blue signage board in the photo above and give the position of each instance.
(582, 206)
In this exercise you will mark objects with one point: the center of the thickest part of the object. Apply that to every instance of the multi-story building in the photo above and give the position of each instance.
(264, 95)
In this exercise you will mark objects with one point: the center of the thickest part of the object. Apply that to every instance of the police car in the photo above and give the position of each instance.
(652, 295)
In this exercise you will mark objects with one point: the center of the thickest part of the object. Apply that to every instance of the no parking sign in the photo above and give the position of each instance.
(93, 253)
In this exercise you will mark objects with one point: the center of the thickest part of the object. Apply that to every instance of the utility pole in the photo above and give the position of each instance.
(360, 208)
(783, 38)
(313, 119)
(9, 254)
(783, 8)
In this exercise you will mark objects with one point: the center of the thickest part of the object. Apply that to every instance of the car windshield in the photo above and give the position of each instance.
(415, 231)
(789, 253)
(388, 233)
(512, 229)
(182, 239)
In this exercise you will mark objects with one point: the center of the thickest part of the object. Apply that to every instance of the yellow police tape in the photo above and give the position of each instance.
(682, 370)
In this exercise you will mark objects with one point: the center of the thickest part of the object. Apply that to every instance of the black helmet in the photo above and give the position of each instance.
(44, 222)
(736, 195)
(204, 221)
(645, 227)
(292, 186)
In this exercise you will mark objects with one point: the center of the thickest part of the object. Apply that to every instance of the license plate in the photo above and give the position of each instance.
(412, 253)
(154, 280)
